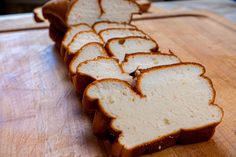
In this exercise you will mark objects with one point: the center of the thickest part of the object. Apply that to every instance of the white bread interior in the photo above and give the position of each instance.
(81, 39)
(119, 47)
(119, 10)
(83, 11)
(89, 12)
(72, 31)
(174, 98)
(101, 68)
(140, 61)
(102, 25)
(88, 52)
(111, 33)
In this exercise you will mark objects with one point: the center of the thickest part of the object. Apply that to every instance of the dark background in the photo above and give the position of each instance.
(22, 6)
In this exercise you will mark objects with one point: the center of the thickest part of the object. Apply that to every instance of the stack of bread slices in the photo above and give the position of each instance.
(147, 100)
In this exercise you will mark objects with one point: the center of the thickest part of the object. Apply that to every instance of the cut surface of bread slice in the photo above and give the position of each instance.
(71, 33)
(119, 10)
(82, 11)
(88, 52)
(102, 25)
(112, 33)
(138, 61)
(79, 40)
(100, 68)
(172, 104)
(119, 47)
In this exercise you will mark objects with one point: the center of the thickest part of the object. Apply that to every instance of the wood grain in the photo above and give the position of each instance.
(41, 115)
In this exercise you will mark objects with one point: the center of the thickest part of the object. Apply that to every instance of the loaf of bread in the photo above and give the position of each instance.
(119, 47)
(170, 104)
(146, 100)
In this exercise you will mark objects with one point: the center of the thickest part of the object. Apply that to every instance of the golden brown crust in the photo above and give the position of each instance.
(97, 23)
(68, 56)
(132, 29)
(55, 12)
(181, 137)
(122, 41)
(78, 54)
(56, 36)
(38, 15)
(63, 47)
(83, 80)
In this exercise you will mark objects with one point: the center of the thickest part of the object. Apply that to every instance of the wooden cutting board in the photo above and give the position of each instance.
(41, 115)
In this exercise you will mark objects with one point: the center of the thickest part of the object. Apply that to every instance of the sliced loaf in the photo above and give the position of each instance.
(79, 40)
(72, 31)
(119, 47)
(97, 69)
(140, 61)
(171, 104)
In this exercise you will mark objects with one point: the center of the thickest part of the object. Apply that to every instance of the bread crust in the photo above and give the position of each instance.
(109, 22)
(56, 36)
(83, 80)
(122, 40)
(79, 52)
(69, 56)
(131, 29)
(183, 136)
(55, 12)
(63, 47)
(38, 15)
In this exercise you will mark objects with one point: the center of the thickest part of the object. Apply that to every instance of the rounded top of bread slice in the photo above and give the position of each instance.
(138, 61)
(112, 33)
(119, 47)
(103, 67)
(81, 39)
(87, 52)
(173, 98)
(102, 25)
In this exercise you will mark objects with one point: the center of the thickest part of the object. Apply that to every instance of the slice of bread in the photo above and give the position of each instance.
(79, 40)
(87, 52)
(72, 31)
(102, 25)
(112, 33)
(119, 10)
(84, 11)
(119, 47)
(171, 104)
(140, 61)
(97, 69)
